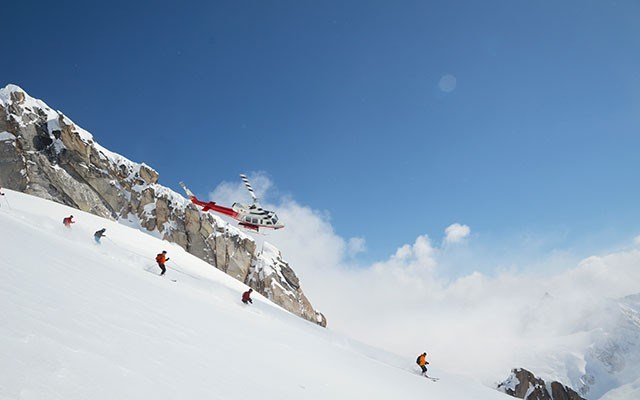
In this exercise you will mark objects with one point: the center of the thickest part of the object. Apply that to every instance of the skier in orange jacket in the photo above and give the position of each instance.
(161, 259)
(422, 361)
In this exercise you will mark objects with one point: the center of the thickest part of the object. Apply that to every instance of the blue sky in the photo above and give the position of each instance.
(520, 120)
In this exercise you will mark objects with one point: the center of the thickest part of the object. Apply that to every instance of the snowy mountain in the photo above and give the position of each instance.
(42, 152)
(612, 361)
(597, 353)
(83, 320)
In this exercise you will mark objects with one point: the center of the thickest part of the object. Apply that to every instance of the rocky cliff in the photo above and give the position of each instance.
(524, 385)
(43, 153)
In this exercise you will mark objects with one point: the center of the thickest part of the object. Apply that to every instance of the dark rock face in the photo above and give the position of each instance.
(561, 392)
(43, 153)
(524, 385)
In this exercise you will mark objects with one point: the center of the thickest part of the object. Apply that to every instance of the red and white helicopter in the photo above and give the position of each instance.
(251, 217)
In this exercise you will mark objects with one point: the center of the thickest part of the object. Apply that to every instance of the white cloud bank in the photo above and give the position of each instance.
(480, 324)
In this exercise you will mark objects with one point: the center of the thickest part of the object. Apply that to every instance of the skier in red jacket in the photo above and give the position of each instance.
(246, 297)
(68, 221)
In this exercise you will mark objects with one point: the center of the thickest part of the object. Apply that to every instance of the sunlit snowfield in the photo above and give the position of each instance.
(88, 321)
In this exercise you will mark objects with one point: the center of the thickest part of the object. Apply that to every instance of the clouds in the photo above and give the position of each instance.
(455, 233)
(356, 245)
(481, 323)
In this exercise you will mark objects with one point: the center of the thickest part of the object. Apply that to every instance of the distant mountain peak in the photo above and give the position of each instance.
(10, 88)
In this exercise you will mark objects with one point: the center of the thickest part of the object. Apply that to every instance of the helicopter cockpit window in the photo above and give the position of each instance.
(274, 220)
(268, 222)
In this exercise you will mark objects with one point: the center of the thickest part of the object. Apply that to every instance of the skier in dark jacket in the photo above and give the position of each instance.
(246, 297)
(161, 259)
(99, 234)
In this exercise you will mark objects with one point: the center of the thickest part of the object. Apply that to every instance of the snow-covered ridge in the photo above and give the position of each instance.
(13, 94)
(28, 101)
(56, 121)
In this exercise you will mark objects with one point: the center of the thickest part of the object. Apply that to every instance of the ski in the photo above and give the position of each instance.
(172, 280)
(431, 377)
(152, 271)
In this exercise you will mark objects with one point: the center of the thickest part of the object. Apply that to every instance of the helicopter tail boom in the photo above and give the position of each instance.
(208, 205)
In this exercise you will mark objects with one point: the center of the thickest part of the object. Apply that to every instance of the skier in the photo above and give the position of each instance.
(1, 194)
(161, 259)
(422, 361)
(246, 297)
(68, 221)
(99, 234)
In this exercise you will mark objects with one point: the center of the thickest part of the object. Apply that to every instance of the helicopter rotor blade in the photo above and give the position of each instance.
(249, 188)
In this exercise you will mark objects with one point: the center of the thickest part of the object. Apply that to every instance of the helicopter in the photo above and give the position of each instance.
(252, 217)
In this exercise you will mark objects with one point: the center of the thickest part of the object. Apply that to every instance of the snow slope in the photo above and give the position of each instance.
(88, 321)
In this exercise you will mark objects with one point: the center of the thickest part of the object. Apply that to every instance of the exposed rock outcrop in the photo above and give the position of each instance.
(43, 153)
(524, 385)
(273, 277)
